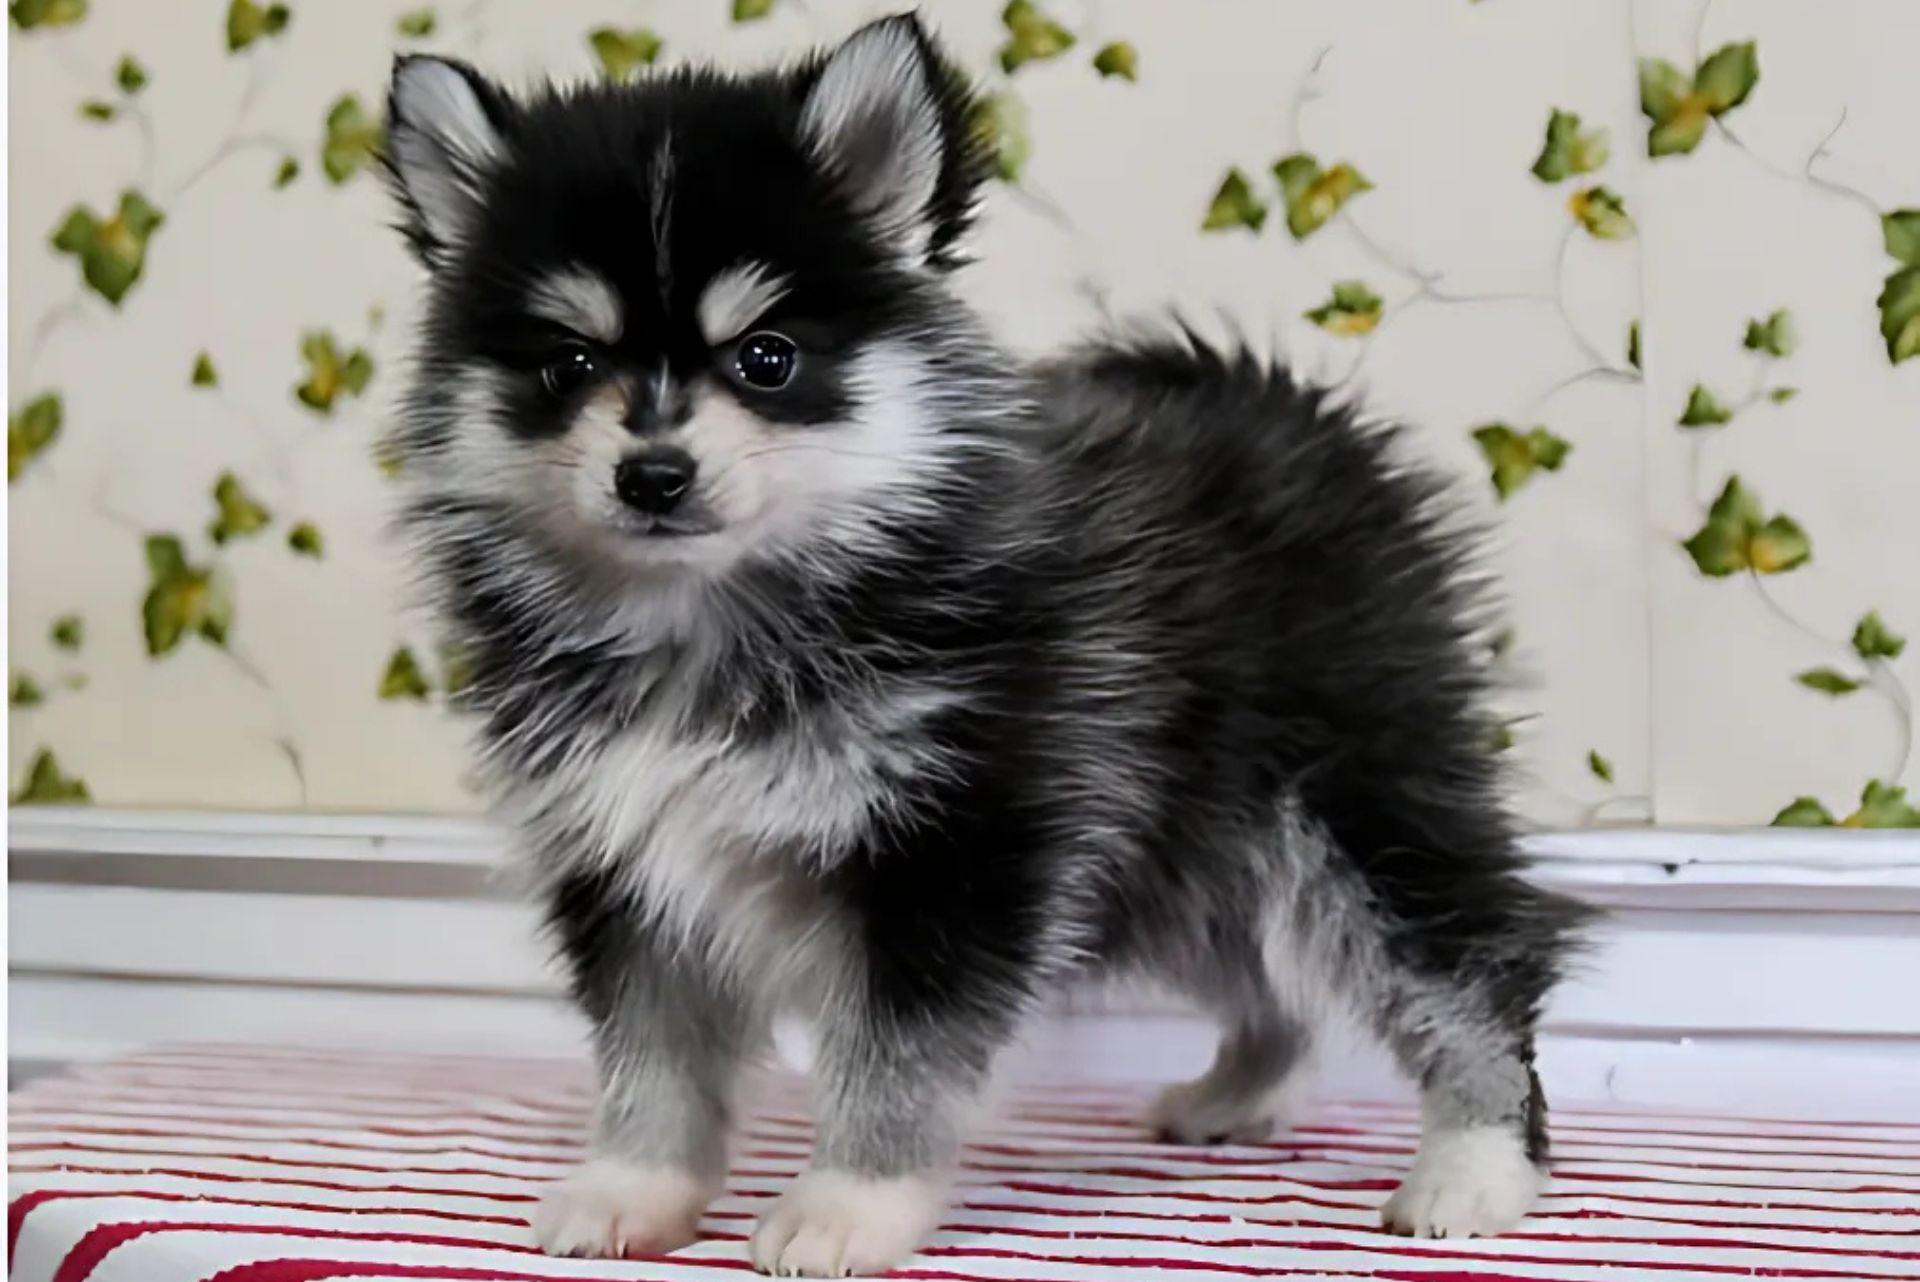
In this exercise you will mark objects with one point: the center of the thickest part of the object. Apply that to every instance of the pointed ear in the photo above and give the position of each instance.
(445, 129)
(890, 119)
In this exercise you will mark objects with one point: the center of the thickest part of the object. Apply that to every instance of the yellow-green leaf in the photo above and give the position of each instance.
(130, 75)
(1774, 335)
(248, 22)
(28, 14)
(1899, 304)
(112, 251)
(1727, 76)
(46, 786)
(1738, 536)
(1804, 812)
(1601, 768)
(1312, 194)
(403, 678)
(31, 430)
(1602, 212)
(1680, 106)
(624, 51)
(69, 632)
(417, 24)
(1569, 151)
(1353, 310)
(25, 692)
(203, 375)
(1781, 395)
(330, 373)
(999, 121)
(288, 171)
(1901, 231)
(1872, 639)
(751, 10)
(1704, 409)
(1032, 36)
(1883, 806)
(1663, 88)
(1118, 59)
(1827, 681)
(1235, 205)
(239, 513)
(182, 598)
(353, 139)
(1515, 456)
(1633, 344)
(96, 110)
(304, 539)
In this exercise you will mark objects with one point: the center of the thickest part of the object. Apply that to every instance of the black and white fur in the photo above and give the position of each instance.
(953, 680)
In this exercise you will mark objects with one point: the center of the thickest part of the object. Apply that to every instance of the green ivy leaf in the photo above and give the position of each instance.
(1567, 150)
(999, 122)
(304, 539)
(1633, 344)
(403, 678)
(1312, 194)
(1774, 335)
(1873, 640)
(1680, 106)
(248, 22)
(113, 251)
(1883, 806)
(98, 111)
(353, 139)
(182, 598)
(1781, 395)
(45, 785)
(1515, 457)
(288, 171)
(1601, 211)
(69, 632)
(28, 14)
(751, 10)
(1901, 230)
(1118, 59)
(1032, 36)
(1601, 768)
(622, 53)
(1827, 681)
(25, 692)
(1739, 536)
(1235, 205)
(1353, 310)
(130, 75)
(240, 514)
(31, 431)
(329, 373)
(203, 375)
(1804, 812)
(417, 24)
(1704, 409)
(1899, 305)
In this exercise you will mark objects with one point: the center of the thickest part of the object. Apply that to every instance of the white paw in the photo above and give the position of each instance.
(613, 1209)
(830, 1225)
(1205, 1112)
(1474, 1182)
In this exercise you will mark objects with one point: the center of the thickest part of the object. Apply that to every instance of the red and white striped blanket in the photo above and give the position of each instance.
(238, 1164)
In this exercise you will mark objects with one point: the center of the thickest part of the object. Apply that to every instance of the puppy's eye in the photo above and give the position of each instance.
(766, 360)
(570, 365)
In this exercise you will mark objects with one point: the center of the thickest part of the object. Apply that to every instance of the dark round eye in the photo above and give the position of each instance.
(570, 365)
(766, 360)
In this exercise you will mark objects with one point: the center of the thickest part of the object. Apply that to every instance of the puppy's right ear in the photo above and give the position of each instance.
(446, 128)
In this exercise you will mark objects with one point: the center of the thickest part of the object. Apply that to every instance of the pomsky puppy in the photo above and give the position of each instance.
(826, 657)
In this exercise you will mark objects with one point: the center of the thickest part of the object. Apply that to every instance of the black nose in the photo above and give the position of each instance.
(654, 482)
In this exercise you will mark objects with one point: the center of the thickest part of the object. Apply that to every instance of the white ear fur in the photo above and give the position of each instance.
(873, 118)
(441, 140)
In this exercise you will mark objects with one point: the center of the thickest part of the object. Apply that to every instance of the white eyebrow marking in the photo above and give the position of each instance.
(736, 297)
(580, 300)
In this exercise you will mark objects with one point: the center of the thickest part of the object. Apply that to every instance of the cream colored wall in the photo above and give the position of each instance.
(1496, 307)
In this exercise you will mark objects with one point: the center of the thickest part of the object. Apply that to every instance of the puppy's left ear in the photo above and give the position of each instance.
(891, 119)
(447, 129)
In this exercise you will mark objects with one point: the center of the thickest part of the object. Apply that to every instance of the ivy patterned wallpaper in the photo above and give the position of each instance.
(1646, 275)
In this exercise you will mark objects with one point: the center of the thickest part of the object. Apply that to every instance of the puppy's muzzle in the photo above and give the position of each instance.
(655, 481)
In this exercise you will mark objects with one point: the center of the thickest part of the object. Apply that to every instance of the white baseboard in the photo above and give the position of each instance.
(1733, 967)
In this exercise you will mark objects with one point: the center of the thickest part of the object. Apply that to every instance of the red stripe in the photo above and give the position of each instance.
(227, 1177)
(98, 1242)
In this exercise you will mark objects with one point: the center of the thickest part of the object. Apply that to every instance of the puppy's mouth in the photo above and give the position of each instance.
(689, 524)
